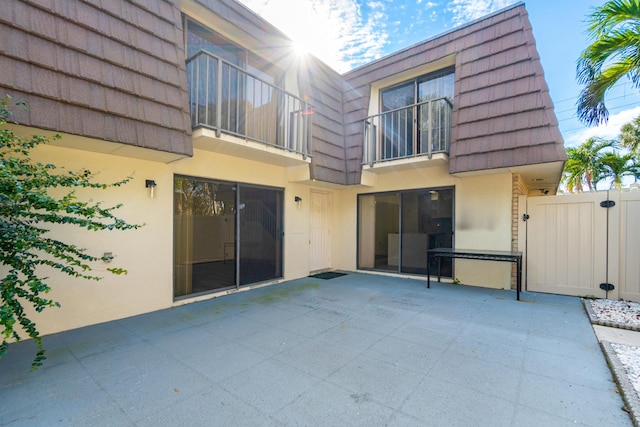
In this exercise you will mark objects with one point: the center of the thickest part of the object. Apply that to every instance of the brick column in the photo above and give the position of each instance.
(518, 188)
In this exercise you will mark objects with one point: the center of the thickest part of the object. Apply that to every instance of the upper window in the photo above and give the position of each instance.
(414, 118)
(200, 38)
(424, 88)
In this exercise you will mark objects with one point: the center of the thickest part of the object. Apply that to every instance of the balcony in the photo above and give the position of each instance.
(419, 132)
(241, 109)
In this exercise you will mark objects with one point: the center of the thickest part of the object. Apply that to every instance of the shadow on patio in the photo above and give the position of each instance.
(355, 350)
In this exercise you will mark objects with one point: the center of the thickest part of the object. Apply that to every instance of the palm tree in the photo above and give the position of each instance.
(584, 164)
(617, 166)
(630, 136)
(573, 173)
(614, 53)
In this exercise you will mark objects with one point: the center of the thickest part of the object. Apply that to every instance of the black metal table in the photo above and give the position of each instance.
(508, 256)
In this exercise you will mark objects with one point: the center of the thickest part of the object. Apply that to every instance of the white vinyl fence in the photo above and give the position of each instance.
(576, 245)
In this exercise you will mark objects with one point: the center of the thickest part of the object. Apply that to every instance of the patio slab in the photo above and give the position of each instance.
(359, 349)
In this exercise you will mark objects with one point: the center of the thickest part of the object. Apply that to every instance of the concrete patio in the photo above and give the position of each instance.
(356, 350)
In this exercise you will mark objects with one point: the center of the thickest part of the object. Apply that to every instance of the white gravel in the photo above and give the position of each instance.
(629, 356)
(623, 312)
(628, 314)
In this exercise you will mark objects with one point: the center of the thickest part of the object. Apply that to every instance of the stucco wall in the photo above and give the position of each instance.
(483, 221)
(148, 284)
(147, 253)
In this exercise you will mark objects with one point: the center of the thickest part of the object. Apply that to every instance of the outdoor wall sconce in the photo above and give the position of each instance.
(298, 200)
(151, 185)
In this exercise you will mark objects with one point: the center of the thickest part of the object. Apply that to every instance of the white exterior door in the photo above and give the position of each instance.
(320, 232)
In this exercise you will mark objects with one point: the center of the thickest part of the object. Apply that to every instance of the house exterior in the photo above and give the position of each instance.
(251, 165)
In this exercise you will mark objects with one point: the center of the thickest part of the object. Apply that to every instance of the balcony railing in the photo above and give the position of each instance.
(228, 99)
(417, 130)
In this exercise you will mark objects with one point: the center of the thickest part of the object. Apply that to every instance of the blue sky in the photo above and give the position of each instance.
(348, 33)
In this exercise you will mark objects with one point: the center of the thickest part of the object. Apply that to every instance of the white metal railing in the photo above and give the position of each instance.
(417, 130)
(228, 99)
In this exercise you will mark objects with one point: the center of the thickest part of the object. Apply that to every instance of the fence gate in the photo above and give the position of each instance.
(629, 273)
(585, 244)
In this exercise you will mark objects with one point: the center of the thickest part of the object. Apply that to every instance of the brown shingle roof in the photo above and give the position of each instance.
(110, 70)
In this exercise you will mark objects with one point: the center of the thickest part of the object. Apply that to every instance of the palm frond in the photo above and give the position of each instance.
(611, 14)
(613, 54)
(618, 45)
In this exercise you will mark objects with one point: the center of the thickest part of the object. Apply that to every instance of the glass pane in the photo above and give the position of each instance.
(264, 70)
(201, 81)
(366, 231)
(397, 126)
(438, 223)
(436, 86)
(378, 231)
(261, 113)
(260, 213)
(398, 97)
(202, 38)
(415, 237)
(432, 88)
(440, 126)
(233, 99)
(204, 230)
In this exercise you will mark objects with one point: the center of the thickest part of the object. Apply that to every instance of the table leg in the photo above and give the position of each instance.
(519, 278)
(428, 271)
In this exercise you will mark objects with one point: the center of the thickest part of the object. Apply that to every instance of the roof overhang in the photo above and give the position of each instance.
(94, 145)
(540, 179)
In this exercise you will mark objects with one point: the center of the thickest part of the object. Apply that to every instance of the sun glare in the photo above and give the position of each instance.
(300, 49)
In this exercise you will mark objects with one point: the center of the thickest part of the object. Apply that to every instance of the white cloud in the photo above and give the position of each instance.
(336, 31)
(468, 10)
(609, 131)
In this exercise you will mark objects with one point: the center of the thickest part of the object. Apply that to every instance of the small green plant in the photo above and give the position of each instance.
(28, 209)
(589, 297)
(455, 281)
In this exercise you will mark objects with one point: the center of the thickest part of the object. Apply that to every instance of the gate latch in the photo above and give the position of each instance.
(607, 286)
(607, 204)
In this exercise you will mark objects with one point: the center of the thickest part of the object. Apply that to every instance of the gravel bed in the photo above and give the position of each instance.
(626, 366)
(629, 356)
(621, 313)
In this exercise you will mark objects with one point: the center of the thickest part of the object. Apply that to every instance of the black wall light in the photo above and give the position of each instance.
(151, 185)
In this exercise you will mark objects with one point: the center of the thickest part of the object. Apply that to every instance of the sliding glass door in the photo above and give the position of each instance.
(260, 237)
(225, 235)
(395, 230)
